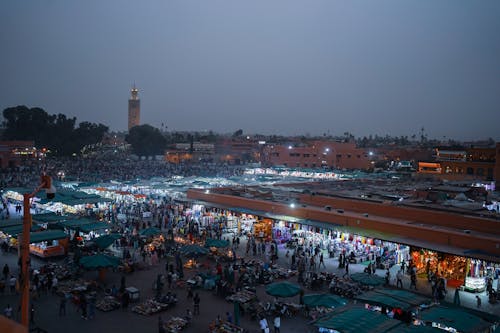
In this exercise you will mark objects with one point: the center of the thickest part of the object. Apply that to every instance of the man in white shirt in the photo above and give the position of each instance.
(277, 323)
(263, 325)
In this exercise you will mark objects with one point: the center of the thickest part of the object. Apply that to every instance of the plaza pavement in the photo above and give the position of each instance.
(47, 306)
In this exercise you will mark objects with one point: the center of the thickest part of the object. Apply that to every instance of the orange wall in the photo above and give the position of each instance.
(406, 213)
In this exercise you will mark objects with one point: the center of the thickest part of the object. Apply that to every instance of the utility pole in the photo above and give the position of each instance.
(24, 243)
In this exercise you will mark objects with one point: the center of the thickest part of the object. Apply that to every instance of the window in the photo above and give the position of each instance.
(348, 155)
(359, 156)
(480, 171)
(339, 155)
(306, 155)
(470, 171)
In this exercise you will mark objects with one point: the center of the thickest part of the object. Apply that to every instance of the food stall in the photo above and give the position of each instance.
(46, 244)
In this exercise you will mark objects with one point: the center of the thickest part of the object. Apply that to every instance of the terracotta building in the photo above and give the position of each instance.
(470, 163)
(317, 154)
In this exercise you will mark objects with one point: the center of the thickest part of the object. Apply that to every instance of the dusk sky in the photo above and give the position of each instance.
(265, 66)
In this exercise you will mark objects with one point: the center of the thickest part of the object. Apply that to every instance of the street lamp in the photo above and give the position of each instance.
(24, 243)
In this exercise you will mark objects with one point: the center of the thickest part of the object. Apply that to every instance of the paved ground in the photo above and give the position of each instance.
(126, 321)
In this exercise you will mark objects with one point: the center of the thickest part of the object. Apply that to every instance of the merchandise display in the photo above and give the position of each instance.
(108, 303)
(226, 327)
(149, 307)
(175, 324)
(475, 284)
(243, 296)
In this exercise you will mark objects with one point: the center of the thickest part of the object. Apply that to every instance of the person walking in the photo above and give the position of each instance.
(413, 280)
(264, 327)
(346, 269)
(277, 322)
(32, 311)
(83, 306)
(478, 302)
(196, 303)
(6, 271)
(321, 260)
(12, 284)
(387, 277)
(399, 279)
(8, 311)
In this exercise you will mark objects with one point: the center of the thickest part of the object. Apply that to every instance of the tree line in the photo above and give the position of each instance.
(57, 133)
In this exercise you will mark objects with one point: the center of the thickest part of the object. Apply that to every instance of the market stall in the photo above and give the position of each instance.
(175, 324)
(225, 327)
(108, 303)
(149, 307)
(46, 244)
(451, 267)
(263, 229)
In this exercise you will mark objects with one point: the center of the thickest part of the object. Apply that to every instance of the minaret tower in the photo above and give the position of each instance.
(134, 108)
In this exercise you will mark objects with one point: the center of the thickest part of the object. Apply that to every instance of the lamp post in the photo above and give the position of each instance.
(24, 243)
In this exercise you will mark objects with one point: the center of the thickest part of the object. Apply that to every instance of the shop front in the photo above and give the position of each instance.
(451, 267)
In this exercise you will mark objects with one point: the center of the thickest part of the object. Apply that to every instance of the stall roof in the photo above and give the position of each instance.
(405, 296)
(382, 300)
(10, 223)
(73, 198)
(17, 229)
(93, 226)
(357, 319)
(52, 217)
(404, 328)
(41, 236)
(458, 318)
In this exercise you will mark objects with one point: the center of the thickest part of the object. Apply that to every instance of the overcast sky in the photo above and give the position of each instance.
(265, 66)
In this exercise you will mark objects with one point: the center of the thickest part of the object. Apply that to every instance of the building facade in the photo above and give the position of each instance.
(317, 154)
(134, 108)
(471, 163)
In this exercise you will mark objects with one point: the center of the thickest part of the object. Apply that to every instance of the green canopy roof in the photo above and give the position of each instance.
(150, 232)
(86, 228)
(357, 319)
(72, 198)
(382, 300)
(99, 261)
(17, 229)
(405, 296)
(193, 250)
(52, 217)
(10, 223)
(404, 328)
(283, 289)
(326, 300)
(367, 279)
(458, 318)
(106, 240)
(41, 236)
(73, 224)
(210, 242)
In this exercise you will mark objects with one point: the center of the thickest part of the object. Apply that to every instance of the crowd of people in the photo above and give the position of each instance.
(109, 167)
